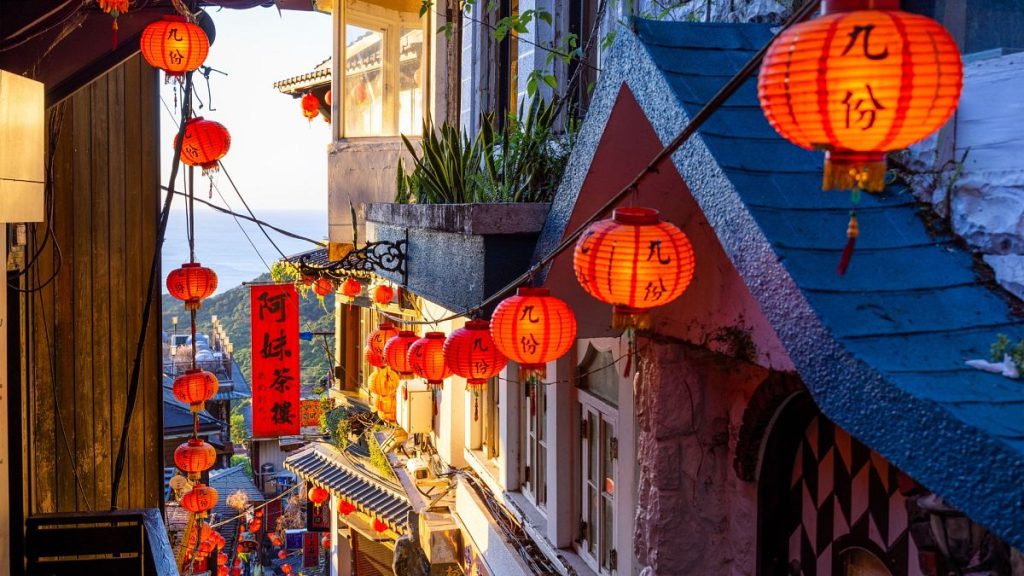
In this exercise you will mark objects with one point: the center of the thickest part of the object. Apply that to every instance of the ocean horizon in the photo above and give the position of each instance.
(222, 246)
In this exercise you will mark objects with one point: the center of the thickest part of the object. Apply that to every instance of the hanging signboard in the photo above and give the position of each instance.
(318, 518)
(275, 360)
(311, 550)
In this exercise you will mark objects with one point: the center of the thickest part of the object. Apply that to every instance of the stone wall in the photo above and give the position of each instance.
(770, 11)
(695, 516)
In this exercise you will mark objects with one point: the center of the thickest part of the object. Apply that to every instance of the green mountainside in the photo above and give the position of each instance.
(232, 310)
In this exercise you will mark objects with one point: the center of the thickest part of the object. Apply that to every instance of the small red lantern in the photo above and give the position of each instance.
(329, 98)
(379, 337)
(310, 106)
(325, 542)
(204, 144)
(633, 261)
(383, 294)
(858, 83)
(194, 457)
(195, 387)
(222, 571)
(255, 526)
(470, 352)
(192, 283)
(282, 554)
(373, 359)
(426, 359)
(533, 328)
(286, 568)
(236, 571)
(323, 286)
(199, 500)
(222, 559)
(318, 496)
(174, 45)
(396, 353)
(351, 287)
(379, 526)
(346, 507)
(258, 513)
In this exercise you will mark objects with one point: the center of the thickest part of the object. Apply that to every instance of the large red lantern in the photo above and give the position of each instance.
(379, 337)
(633, 261)
(383, 294)
(858, 83)
(470, 352)
(396, 353)
(200, 500)
(205, 142)
(533, 328)
(426, 359)
(194, 457)
(351, 287)
(310, 106)
(323, 286)
(174, 45)
(192, 283)
(318, 496)
(195, 387)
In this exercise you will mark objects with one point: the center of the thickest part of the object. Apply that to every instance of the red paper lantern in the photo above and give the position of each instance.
(533, 328)
(379, 526)
(426, 359)
(255, 526)
(192, 283)
(373, 359)
(384, 382)
(858, 83)
(325, 542)
(199, 500)
(470, 352)
(379, 337)
(258, 513)
(236, 571)
(323, 286)
(329, 98)
(396, 353)
(346, 507)
(204, 144)
(633, 261)
(310, 106)
(286, 568)
(174, 45)
(383, 294)
(195, 387)
(282, 554)
(222, 571)
(351, 287)
(194, 457)
(318, 496)
(222, 559)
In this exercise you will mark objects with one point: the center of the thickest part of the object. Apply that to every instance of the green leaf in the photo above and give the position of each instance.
(545, 16)
(425, 7)
(550, 80)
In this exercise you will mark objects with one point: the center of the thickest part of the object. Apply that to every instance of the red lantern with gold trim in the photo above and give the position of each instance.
(323, 286)
(318, 496)
(204, 144)
(635, 262)
(383, 294)
(858, 83)
(194, 457)
(470, 352)
(192, 283)
(533, 328)
(310, 106)
(351, 287)
(195, 387)
(200, 500)
(396, 353)
(426, 359)
(174, 45)
(379, 337)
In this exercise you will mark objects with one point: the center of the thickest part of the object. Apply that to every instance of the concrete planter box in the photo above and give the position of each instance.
(458, 254)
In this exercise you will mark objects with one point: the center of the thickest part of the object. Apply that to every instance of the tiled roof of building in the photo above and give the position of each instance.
(882, 350)
(227, 481)
(178, 418)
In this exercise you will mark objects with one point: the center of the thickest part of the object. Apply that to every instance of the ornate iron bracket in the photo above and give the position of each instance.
(374, 257)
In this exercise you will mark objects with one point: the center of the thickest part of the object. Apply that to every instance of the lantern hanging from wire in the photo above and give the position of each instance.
(384, 382)
(373, 359)
(286, 568)
(396, 353)
(351, 288)
(634, 261)
(310, 106)
(383, 294)
(205, 142)
(255, 526)
(318, 496)
(194, 457)
(174, 45)
(379, 526)
(282, 554)
(329, 98)
(379, 337)
(200, 500)
(346, 507)
(192, 283)
(323, 286)
(471, 353)
(426, 359)
(195, 387)
(533, 328)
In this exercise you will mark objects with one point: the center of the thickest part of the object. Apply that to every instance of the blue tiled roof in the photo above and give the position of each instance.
(882, 349)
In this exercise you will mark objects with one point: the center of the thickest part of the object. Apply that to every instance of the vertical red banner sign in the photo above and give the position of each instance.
(275, 360)
(310, 550)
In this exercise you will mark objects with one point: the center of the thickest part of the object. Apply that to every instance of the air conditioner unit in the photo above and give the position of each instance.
(415, 407)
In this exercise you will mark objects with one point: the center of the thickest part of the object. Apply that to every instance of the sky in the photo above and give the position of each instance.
(277, 159)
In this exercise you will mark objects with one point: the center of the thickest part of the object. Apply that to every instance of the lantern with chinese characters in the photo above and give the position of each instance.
(192, 283)
(346, 507)
(379, 337)
(379, 526)
(373, 359)
(199, 500)
(194, 457)
(310, 106)
(426, 359)
(318, 496)
(323, 286)
(174, 45)
(633, 261)
(195, 387)
(351, 287)
(396, 353)
(383, 294)
(470, 352)
(384, 382)
(858, 83)
(533, 328)
(205, 142)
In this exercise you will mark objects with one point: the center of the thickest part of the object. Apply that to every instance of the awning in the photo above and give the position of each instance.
(229, 395)
(325, 465)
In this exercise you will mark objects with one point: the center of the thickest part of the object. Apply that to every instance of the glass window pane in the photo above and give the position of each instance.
(607, 530)
(410, 81)
(598, 375)
(364, 81)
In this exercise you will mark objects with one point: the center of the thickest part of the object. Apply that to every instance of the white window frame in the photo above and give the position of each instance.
(604, 413)
(534, 482)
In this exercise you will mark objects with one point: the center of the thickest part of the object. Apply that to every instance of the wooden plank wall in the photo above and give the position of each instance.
(106, 204)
